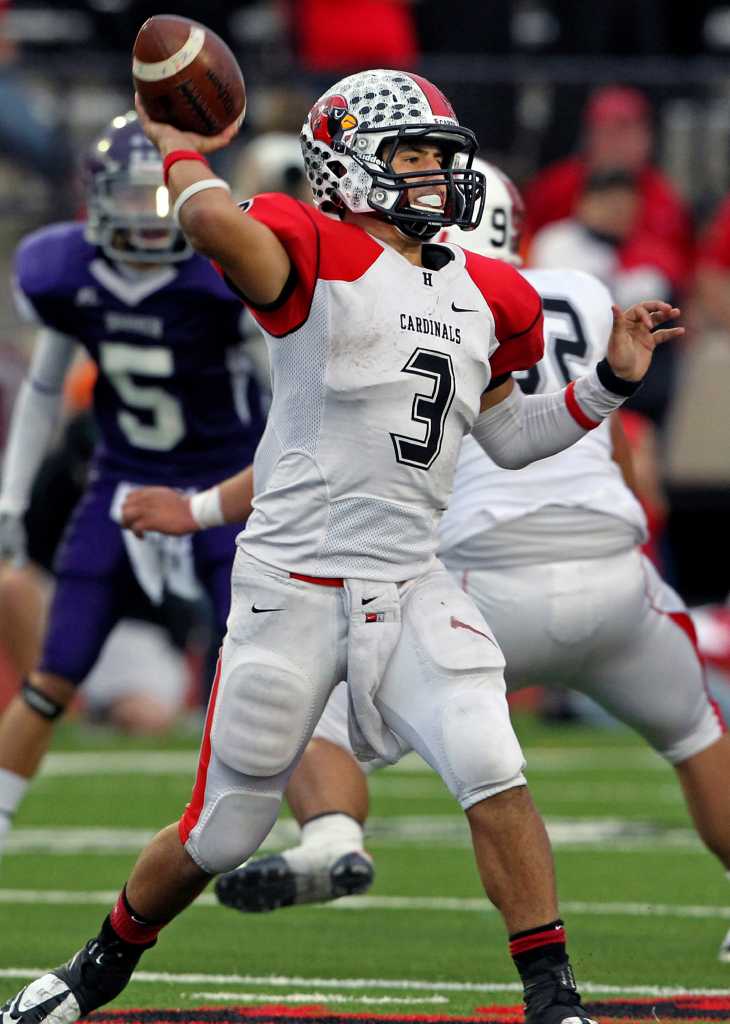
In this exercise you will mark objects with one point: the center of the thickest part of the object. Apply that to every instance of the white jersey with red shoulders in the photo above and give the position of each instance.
(577, 312)
(378, 367)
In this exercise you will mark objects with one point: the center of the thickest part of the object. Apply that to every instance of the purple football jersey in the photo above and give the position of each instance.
(175, 401)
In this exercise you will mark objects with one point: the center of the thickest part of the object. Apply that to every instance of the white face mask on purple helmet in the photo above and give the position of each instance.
(352, 134)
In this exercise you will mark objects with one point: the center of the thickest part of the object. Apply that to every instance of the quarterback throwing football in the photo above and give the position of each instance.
(386, 349)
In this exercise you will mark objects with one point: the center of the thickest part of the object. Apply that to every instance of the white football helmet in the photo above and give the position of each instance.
(351, 135)
(499, 231)
(271, 162)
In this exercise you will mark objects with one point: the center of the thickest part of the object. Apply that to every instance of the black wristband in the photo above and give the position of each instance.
(616, 385)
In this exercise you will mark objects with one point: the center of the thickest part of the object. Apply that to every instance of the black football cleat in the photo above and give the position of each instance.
(93, 977)
(551, 996)
(271, 882)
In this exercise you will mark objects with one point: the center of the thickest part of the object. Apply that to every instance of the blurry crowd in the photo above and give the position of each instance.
(597, 198)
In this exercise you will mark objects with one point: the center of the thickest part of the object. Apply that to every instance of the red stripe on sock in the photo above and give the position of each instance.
(139, 933)
(575, 410)
(192, 812)
(548, 938)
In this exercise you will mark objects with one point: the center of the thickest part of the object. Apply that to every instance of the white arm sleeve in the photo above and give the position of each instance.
(34, 418)
(524, 428)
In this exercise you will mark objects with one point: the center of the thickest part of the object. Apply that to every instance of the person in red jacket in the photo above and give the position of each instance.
(376, 32)
(618, 135)
(712, 284)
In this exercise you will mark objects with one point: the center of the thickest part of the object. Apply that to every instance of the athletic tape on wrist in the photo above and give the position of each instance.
(192, 190)
(180, 154)
(594, 399)
(205, 508)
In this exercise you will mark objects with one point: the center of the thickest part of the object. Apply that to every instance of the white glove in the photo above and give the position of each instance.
(13, 543)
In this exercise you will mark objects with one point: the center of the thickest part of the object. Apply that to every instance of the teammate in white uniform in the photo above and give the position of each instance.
(550, 556)
(385, 351)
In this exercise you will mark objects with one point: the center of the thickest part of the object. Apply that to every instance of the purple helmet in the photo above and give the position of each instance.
(128, 209)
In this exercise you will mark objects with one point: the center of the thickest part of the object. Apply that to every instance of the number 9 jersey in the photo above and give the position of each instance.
(378, 367)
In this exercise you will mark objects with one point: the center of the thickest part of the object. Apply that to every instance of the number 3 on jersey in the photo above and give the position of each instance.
(428, 409)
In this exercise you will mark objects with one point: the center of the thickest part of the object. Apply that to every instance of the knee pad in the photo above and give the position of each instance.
(234, 828)
(264, 714)
(482, 753)
(40, 702)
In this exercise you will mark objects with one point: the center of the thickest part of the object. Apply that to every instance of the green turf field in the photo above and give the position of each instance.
(645, 905)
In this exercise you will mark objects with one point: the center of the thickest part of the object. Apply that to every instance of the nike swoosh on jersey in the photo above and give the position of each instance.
(257, 611)
(461, 309)
(367, 600)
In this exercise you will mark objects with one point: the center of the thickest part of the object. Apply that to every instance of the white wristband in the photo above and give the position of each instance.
(192, 190)
(205, 508)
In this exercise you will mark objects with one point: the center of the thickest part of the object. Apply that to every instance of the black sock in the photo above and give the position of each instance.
(545, 943)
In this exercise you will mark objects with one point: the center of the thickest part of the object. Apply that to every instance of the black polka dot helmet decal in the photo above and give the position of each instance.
(354, 129)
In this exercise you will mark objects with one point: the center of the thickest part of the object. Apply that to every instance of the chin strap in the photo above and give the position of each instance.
(420, 230)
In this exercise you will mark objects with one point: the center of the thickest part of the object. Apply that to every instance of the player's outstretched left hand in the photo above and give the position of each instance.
(634, 338)
(159, 510)
(167, 138)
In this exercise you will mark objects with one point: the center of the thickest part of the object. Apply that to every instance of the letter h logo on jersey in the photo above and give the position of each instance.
(330, 119)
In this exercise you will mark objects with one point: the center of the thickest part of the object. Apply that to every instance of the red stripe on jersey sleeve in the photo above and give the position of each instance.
(319, 247)
(517, 311)
(575, 410)
(293, 224)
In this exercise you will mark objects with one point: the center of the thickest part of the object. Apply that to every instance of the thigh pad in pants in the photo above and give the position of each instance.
(265, 711)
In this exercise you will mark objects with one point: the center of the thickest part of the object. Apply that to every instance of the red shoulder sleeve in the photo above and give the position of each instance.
(517, 311)
(714, 246)
(295, 225)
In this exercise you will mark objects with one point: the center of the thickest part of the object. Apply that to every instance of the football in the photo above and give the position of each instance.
(186, 76)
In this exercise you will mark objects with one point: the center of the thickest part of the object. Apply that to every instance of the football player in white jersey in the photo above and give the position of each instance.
(550, 556)
(385, 350)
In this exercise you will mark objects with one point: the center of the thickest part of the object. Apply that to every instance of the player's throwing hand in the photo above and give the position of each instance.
(167, 138)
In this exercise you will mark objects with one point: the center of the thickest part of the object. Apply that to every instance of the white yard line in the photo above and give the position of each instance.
(375, 984)
(607, 834)
(314, 997)
(448, 904)
(183, 762)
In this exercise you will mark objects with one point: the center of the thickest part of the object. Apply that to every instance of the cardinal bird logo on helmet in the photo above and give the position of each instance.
(330, 118)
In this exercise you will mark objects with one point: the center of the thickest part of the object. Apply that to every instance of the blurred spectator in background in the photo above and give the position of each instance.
(26, 136)
(713, 269)
(618, 135)
(602, 237)
(332, 37)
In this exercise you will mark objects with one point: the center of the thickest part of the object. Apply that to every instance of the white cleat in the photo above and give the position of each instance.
(269, 883)
(47, 1000)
